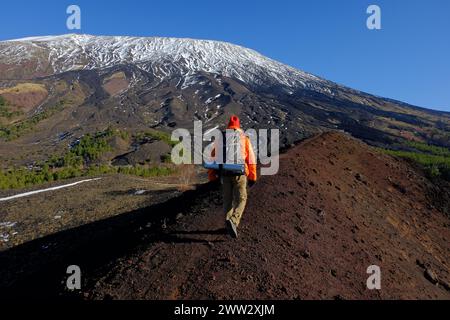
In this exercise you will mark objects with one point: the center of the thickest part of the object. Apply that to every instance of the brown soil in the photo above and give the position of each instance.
(310, 232)
(116, 85)
(25, 99)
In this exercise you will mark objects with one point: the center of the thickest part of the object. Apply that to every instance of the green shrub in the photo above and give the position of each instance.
(157, 135)
(77, 162)
(166, 158)
(90, 147)
(434, 165)
(5, 112)
(426, 148)
(146, 171)
(22, 177)
(16, 130)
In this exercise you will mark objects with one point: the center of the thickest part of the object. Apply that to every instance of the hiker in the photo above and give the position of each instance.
(234, 182)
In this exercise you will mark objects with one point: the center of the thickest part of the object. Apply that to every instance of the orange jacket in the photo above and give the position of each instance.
(247, 154)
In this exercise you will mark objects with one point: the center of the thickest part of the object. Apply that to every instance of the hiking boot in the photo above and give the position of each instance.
(232, 229)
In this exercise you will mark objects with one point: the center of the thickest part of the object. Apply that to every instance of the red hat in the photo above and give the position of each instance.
(234, 122)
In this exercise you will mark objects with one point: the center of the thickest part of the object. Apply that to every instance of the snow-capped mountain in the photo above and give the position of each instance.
(164, 57)
(66, 86)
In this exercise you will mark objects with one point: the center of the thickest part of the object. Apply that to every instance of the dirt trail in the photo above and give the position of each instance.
(310, 232)
(335, 208)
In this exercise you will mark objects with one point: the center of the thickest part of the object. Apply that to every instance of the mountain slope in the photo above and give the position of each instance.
(164, 57)
(71, 85)
(336, 207)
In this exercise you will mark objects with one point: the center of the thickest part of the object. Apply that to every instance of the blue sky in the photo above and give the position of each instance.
(408, 60)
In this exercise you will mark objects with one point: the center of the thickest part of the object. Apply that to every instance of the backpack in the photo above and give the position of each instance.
(232, 163)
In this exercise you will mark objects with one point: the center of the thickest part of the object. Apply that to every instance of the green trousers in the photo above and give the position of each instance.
(234, 197)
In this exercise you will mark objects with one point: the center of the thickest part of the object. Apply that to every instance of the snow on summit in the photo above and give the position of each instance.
(162, 56)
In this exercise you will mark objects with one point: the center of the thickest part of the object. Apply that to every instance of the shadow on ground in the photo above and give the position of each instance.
(37, 269)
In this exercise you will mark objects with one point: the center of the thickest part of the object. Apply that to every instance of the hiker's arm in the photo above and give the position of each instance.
(250, 160)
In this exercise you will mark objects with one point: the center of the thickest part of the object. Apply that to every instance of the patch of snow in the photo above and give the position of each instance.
(187, 57)
(26, 194)
(7, 224)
